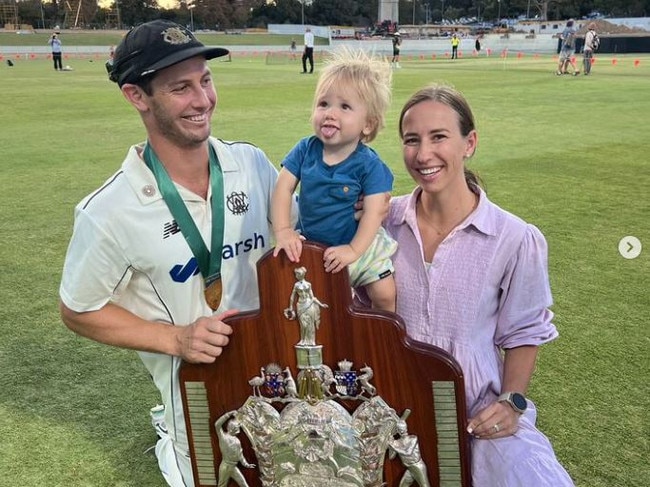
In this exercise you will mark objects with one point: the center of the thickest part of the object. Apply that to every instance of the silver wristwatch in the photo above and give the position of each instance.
(516, 400)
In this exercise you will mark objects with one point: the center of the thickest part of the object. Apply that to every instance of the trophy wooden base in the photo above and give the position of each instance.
(365, 404)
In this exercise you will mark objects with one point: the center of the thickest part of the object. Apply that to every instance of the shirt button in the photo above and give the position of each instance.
(148, 190)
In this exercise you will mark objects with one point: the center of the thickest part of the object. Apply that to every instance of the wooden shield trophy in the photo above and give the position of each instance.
(313, 391)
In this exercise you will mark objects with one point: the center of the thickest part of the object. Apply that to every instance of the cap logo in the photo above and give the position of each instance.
(175, 36)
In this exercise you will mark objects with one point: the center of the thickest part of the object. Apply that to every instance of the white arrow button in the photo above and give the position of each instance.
(629, 247)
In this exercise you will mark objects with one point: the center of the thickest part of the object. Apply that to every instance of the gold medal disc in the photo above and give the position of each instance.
(213, 294)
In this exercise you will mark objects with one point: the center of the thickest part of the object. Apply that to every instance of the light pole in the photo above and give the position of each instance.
(302, 5)
(413, 12)
(442, 12)
(499, 14)
(119, 15)
(190, 7)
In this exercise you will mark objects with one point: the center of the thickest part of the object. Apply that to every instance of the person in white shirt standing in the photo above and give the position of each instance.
(591, 44)
(308, 53)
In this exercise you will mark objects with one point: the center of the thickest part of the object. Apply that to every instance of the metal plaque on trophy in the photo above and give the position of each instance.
(313, 391)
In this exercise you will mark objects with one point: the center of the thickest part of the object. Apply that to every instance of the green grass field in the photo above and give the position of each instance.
(567, 154)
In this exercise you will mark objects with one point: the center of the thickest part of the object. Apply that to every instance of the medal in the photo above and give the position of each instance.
(208, 259)
(212, 292)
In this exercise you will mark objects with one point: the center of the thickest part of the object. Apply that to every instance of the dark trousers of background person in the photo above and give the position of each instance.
(308, 55)
(56, 57)
(454, 52)
(587, 60)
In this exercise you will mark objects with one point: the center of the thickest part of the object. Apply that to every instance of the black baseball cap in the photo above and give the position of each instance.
(153, 46)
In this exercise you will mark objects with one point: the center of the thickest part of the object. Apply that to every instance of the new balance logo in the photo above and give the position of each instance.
(170, 228)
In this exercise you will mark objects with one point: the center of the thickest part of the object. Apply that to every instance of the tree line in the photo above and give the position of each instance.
(239, 14)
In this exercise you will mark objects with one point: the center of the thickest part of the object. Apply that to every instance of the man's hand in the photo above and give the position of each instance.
(204, 340)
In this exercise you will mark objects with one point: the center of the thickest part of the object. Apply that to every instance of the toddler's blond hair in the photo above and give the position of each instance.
(371, 77)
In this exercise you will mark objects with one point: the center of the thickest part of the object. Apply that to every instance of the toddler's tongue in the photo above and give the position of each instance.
(328, 131)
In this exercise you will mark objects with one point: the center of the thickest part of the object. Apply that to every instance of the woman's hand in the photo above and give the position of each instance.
(498, 420)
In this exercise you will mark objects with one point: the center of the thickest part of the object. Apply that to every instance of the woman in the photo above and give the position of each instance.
(472, 279)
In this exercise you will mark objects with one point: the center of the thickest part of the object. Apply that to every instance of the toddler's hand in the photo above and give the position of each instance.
(338, 258)
(290, 241)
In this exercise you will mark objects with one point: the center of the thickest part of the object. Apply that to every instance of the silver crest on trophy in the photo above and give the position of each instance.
(346, 379)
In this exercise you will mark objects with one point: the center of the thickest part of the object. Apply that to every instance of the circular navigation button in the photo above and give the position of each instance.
(629, 247)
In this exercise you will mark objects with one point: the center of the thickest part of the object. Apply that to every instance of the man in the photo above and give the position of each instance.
(308, 53)
(591, 44)
(55, 44)
(185, 213)
(109, 62)
(455, 41)
(397, 41)
(293, 49)
(568, 37)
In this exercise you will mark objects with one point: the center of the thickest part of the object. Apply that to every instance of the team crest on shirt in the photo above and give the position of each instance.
(238, 203)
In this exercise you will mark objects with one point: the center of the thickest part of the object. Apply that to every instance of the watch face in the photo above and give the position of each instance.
(519, 401)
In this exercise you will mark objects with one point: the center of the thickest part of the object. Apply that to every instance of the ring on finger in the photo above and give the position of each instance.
(497, 428)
